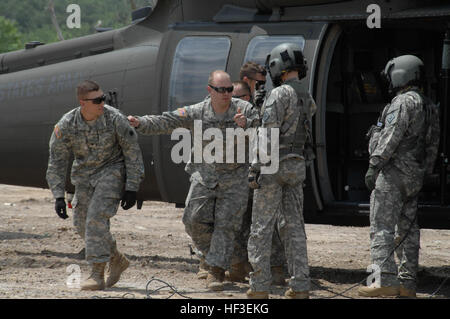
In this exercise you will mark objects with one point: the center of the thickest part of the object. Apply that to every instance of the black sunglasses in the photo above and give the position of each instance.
(259, 82)
(97, 100)
(221, 89)
(239, 96)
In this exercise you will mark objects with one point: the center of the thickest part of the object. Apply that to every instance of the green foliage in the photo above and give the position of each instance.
(33, 19)
(9, 35)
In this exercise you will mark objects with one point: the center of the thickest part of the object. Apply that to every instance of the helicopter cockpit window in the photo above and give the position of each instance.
(195, 58)
(260, 46)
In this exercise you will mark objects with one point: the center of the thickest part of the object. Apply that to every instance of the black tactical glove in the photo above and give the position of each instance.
(60, 208)
(128, 200)
(371, 177)
(260, 95)
(253, 176)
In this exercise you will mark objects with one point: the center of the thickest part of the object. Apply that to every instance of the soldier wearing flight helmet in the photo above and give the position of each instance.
(403, 148)
(278, 197)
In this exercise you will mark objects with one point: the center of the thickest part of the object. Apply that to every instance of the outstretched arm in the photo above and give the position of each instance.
(162, 124)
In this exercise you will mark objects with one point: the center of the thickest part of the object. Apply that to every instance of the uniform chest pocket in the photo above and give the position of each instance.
(93, 141)
(106, 139)
(79, 146)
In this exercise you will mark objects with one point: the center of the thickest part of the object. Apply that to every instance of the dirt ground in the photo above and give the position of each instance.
(39, 251)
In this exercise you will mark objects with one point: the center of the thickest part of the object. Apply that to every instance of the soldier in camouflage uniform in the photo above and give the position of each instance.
(403, 148)
(241, 90)
(278, 197)
(253, 76)
(107, 166)
(218, 193)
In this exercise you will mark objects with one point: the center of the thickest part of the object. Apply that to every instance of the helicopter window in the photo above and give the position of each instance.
(195, 58)
(260, 46)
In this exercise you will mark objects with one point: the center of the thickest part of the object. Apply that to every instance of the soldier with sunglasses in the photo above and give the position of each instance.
(255, 76)
(241, 90)
(217, 197)
(107, 167)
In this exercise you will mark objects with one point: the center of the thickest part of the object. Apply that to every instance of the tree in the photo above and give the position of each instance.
(9, 35)
(51, 8)
(33, 22)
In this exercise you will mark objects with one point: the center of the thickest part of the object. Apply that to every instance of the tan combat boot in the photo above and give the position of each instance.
(215, 278)
(257, 294)
(117, 266)
(202, 269)
(278, 277)
(238, 272)
(291, 294)
(405, 292)
(372, 291)
(96, 280)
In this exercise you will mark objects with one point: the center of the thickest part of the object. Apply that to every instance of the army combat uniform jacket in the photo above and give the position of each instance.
(294, 123)
(107, 160)
(109, 147)
(406, 139)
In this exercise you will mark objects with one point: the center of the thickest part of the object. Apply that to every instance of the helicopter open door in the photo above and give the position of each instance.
(351, 96)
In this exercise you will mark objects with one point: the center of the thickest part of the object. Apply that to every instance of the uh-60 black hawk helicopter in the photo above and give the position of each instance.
(162, 60)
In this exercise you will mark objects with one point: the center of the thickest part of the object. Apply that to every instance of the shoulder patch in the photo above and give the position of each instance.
(57, 131)
(182, 112)
(390, 118)
(266, 115)
(393, 113)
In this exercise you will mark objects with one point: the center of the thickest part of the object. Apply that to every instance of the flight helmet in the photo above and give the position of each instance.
(285, 57)
(403, 71)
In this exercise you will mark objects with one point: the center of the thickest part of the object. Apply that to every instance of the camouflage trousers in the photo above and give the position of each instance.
(93, 206)
(279, 201)
(392, 222)
(213, 217)
(277, 257)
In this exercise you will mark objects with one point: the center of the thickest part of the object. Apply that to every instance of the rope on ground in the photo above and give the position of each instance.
(166, 285)
(439, 288)
(381, 265)
(335, 294)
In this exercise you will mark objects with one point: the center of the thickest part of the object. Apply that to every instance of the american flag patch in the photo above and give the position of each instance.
(57, 131)
(182, 112)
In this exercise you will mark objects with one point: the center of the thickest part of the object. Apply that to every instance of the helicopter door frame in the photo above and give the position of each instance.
(324, 64)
